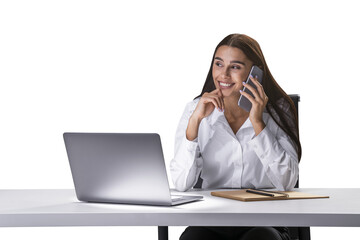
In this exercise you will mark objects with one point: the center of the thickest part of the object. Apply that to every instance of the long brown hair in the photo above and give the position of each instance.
(287, 120)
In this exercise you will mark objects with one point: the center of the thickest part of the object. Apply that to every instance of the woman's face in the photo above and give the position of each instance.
(231, 68)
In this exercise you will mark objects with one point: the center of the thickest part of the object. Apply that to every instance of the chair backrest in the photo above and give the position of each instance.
(296, 99)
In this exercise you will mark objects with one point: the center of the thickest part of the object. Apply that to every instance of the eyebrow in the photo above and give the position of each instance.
(235, 61)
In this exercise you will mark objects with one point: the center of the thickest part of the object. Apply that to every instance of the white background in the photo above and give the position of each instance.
(131, 66)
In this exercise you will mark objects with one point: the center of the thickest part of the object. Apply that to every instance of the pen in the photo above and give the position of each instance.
(260, 193)
(285, 194)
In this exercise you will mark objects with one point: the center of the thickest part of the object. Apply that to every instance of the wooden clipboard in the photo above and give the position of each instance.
(242, 195)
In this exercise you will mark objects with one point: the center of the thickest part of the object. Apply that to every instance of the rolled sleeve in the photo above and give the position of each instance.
(278, 156)
(191, 145)
(186, 165)
(262, 145)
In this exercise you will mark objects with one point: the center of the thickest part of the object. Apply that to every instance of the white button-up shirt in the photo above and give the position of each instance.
(228, 160)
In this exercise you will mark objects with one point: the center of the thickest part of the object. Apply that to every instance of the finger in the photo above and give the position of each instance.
(253, 90)
(248, 96)
(213, 100)
(221, 100)
(219, 97)
(259, 87)
(218, 104)
(215, 91)
(223, 103)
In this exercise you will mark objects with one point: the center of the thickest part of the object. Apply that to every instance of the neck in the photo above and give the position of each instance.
(232, 110)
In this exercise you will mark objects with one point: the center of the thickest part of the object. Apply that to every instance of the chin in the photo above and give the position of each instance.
(230, 92)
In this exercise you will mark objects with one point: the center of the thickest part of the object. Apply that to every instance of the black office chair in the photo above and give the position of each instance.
(296, 233)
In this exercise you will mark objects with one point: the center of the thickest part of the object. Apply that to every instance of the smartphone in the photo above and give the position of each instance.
(243, 102)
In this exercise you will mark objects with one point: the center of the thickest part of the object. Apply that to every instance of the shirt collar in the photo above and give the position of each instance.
(217, 117)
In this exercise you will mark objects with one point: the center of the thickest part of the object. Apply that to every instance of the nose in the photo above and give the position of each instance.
(225, 73)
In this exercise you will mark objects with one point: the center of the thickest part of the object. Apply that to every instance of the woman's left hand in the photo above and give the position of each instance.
(258, 104)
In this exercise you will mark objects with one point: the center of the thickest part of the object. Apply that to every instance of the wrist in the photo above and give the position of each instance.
(195, 119)
(192, 128)
(258, 126)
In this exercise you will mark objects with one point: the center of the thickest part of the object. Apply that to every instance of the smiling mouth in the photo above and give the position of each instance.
(225, 85)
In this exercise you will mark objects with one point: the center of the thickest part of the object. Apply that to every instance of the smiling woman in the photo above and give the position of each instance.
(244, 52)
(230, 147)
(229, 75)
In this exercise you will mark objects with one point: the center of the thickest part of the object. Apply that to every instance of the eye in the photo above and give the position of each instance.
(236, 67)
(218, 64)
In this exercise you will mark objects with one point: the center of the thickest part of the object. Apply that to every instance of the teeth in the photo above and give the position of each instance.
(225, 84)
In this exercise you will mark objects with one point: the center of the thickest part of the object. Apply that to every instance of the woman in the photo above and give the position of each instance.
(231, 148)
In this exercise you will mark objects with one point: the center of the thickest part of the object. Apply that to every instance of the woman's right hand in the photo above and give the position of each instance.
(208, 102)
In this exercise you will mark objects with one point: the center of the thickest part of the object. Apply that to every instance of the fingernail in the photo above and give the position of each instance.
(240, 90)
(252, 76)
(244, 83)
(256, 76)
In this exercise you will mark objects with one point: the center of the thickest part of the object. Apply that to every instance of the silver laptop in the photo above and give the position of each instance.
(120, 168)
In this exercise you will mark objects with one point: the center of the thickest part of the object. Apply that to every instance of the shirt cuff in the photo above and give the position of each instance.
(191, 145)
(262, 145)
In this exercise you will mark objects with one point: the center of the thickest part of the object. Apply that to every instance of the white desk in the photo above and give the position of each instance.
(30, 208)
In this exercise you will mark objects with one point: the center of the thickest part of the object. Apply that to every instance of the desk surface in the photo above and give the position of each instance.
(28, 208)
